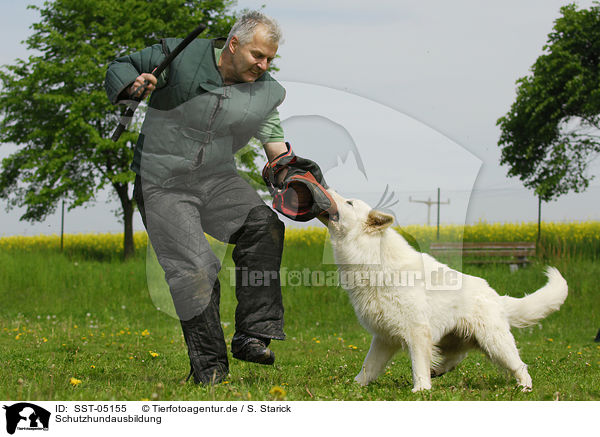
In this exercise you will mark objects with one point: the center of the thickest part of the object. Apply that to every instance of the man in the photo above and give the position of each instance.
(211, 100)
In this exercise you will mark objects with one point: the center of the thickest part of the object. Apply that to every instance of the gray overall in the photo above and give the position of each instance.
(188, 185)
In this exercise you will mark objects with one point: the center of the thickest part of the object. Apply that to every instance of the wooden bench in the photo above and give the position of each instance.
(512, 253)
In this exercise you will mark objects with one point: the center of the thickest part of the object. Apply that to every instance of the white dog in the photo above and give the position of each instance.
(438, 325)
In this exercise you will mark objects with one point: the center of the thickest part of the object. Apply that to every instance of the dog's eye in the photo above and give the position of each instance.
(349, 202)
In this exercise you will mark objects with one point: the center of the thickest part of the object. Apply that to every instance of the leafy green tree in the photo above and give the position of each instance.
(54, 106)
(550, 134)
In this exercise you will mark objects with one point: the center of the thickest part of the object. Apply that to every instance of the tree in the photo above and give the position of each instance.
(550, 134)
(54, 105)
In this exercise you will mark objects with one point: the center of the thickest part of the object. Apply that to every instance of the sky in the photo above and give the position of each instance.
(400, 95)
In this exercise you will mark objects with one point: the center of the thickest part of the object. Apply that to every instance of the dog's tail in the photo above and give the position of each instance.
(534, 307)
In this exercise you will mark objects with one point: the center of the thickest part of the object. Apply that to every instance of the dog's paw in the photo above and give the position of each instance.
(361, 379)
(421, 387)
(421, 384)
(524, 379)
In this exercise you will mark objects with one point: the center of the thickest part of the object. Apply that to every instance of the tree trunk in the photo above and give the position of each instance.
(128, 243)
(539, 235)
(127, 205)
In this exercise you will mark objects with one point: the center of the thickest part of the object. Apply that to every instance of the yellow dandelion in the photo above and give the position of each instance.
(75, 326)
(550, 339)
(153, 354)
(75, 382)
(277, 392)
(131, 358)
(45, 339)
(317, 341)
(578, 353)
(145, 333)
(92, 366)
(351, 346)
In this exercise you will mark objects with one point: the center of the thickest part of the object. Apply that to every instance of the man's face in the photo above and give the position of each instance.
(251, 61)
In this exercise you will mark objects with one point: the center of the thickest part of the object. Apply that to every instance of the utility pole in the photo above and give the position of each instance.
(438, 212)
(429, 203)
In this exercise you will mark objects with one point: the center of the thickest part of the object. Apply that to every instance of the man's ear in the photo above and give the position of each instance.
(378, 221)
(234, 42)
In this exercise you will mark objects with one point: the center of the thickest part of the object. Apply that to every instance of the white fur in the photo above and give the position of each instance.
(438, 327)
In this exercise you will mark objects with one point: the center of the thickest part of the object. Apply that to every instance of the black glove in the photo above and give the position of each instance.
(301, 194)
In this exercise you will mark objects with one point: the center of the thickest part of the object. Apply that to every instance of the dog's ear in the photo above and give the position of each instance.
(377, 220)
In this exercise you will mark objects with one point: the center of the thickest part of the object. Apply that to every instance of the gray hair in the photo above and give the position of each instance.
(245, 26)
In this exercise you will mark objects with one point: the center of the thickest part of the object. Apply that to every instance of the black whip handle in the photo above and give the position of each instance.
(182, 45)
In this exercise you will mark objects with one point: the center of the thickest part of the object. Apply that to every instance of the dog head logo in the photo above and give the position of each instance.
(26, 416)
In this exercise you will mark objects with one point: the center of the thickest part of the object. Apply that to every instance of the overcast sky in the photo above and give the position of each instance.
(412, 89)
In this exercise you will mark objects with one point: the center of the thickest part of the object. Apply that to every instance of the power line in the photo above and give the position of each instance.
(429, 203)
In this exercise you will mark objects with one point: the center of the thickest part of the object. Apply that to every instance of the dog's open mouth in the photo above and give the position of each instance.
(325, 217)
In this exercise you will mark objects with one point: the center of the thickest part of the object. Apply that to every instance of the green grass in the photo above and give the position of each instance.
(63, 318)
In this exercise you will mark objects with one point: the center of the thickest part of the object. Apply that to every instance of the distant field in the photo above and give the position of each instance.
(80, 325)
(558, 239)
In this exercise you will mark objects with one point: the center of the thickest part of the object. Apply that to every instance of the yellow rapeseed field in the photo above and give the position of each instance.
(586, 233)
(84, 243)
(557, 238)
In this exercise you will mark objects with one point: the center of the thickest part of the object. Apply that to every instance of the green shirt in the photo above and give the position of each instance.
(270, 130)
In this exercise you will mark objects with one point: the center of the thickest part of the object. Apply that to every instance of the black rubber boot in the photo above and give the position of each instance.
(205, 341)
(252, 349)
(257, 257)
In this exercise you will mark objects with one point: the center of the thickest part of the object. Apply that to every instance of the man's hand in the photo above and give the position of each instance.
(139, 81)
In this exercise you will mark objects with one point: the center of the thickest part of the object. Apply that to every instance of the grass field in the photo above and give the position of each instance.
(73, 328)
